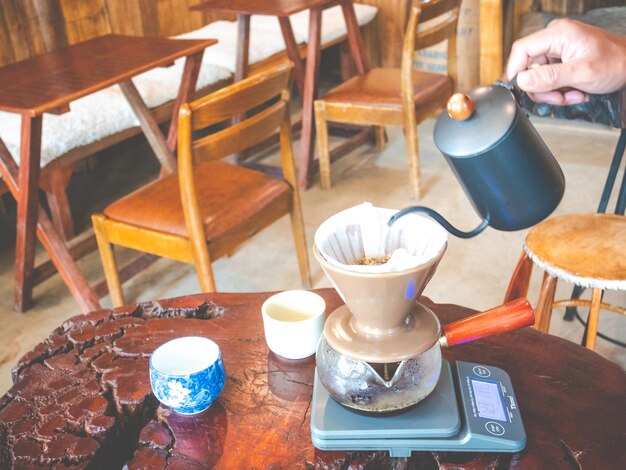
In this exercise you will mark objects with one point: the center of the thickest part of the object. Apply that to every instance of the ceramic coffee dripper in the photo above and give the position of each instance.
(379, 322)
(381, 352)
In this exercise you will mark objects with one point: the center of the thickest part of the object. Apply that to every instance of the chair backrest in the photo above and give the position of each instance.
(229, 102)
(443, 16)
(268, 91)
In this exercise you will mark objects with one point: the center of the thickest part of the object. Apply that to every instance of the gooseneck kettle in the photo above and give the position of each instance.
(506, 170)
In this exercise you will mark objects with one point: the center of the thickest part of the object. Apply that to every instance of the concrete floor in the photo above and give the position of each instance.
(473, 272)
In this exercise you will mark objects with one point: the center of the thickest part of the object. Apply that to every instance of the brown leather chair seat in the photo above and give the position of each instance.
(382, 87)
(158, 206)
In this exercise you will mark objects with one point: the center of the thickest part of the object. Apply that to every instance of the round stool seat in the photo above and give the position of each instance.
(584, 249)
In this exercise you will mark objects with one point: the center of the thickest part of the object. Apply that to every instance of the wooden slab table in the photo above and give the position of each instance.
(306, 78)
(82, 399)
(48, 84)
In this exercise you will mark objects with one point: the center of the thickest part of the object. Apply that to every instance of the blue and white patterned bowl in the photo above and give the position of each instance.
(187, 374)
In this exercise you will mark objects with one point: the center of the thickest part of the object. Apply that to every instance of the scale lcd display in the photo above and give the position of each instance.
(488, 400)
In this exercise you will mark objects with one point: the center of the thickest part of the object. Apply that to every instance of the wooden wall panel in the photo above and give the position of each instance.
(133, 17)
(30, 27)
(392, 18)
(85, 19)
(157, 17)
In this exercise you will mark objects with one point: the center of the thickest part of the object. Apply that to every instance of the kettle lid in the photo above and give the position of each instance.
(494, 112)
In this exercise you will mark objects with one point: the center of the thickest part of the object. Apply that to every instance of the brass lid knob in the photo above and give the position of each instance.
(460, 107)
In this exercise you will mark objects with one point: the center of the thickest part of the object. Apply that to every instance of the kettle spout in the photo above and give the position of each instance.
(441, 220)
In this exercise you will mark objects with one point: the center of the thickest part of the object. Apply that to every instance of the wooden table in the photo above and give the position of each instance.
(306, 77)
(82, 397)
(47, 84)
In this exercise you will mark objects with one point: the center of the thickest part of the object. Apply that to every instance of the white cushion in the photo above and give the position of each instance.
(333, 22)
(107, 112)
(104, 113)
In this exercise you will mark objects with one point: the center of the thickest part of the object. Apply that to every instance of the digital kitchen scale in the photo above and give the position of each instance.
(474, 411)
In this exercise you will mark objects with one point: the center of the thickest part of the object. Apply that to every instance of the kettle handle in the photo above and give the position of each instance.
(440, 219)
(515, 90)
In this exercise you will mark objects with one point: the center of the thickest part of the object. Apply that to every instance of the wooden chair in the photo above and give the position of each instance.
(210, 207)
(583, 249)
(401, 97)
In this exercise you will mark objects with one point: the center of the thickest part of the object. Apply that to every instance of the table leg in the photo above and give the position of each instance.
(243, 47)
(307, 139)
(292, 52)
(27, 207)
(162, 147)
(51, 240)
(150, 127)
(186, 93)
(354, 37)
(54, 182)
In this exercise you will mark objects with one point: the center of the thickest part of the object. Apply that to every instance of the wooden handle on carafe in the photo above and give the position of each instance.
(508, 317)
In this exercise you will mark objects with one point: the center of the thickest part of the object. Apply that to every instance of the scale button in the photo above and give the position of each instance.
(494, 428)
(481, 371)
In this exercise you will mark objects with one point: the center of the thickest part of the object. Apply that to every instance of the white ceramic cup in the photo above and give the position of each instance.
(293, 321)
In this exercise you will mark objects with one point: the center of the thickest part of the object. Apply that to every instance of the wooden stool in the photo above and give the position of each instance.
(587, 250)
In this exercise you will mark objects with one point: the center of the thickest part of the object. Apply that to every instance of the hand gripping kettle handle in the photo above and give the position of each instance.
(507, 317)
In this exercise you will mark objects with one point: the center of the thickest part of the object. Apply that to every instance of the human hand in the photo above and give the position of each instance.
(562, 63)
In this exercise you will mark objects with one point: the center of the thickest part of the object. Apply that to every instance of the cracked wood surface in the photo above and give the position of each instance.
(82, 399)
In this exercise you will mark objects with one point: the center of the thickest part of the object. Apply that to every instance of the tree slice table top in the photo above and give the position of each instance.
(82, 398)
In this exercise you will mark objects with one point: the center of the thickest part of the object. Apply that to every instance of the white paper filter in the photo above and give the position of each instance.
(363, 231)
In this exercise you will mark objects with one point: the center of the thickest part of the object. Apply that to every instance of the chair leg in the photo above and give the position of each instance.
(299, 238)
(109, 265)
(322, 143)
(381, 138)
(202, 263)
(543, 312)
(594, 317)
(412, 153)
(520, 280)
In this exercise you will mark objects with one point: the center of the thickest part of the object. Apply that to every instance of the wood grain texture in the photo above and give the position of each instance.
(265, 407)
(49, 82)
(520, 280)
(544, 304)
(491, 47)
(507, 317)
(33, 27)
(54, 79)
(54, 182)
(392, 19)
(27, 209)
(585, 245)
(52, 242)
